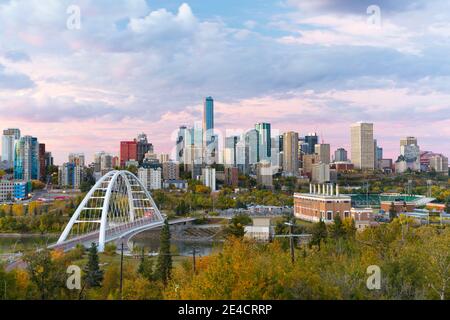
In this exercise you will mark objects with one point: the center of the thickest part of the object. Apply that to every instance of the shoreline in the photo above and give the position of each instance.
(27, 235)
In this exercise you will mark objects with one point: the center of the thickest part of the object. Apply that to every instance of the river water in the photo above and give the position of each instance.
(149, 240)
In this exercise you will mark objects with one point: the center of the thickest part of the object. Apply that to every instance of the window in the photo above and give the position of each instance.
(330, 215)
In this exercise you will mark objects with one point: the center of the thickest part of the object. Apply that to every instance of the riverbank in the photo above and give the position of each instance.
(28, 235)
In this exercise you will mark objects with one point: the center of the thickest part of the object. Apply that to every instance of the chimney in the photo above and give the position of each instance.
(314, 189)
(332, 189)
(337, 190)
(310, 188)
(328, 189)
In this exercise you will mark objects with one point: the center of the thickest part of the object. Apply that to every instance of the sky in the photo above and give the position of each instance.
(137, 66)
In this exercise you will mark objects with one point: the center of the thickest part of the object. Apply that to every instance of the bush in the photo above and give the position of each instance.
(110, 249)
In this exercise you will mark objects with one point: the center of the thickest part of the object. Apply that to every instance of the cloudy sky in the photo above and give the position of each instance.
(303, 65)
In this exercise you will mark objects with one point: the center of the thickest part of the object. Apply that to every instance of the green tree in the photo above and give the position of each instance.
(319, 233)
(236, 227)
(337, 230)
(93, 274)
(145, 268)
(164, 263)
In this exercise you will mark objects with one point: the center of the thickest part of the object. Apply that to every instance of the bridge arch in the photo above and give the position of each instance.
(117, 204)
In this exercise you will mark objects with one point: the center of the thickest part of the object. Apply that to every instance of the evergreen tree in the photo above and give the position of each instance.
(145, 268)
(164, 263)
(319, 233)
(447, 206)
(392, 212)
(93, 274)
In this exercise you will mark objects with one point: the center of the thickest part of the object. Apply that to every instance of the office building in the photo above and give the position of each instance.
(264, 136)
(9, 139)
(230, 152)
(142, 147)
(362, 146)
(181, 144)
(408, 141)
(290, 154)
(26, 159)
(128, 151)
(308, 161)
(252, 140)
(340, 155)
(409, 158)
(309, 143)
(323, 151)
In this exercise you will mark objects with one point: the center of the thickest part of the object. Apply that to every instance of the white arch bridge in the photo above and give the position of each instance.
(116, 208)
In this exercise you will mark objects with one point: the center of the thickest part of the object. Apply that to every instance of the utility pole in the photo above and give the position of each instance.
(194, 250)
(291, 239)
(121, 271)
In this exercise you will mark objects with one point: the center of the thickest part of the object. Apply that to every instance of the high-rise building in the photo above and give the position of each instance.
(378, 155)
(182, 144)
(209, 177)
(252, 140)
(142, 147)
(42, 166)
(320, 173)
(70, 175)
(9, 139)
(26, 159)
(265, 141)
(340, 155)
(231, 176)
(290, 154)
(78, 159)
(150, 178)
(242, 155)
(48, 159)
(439, 163)
(362, 149)
(230, 152)
(208, 119)
(264, 174)
(408, 141)
(171, 170)
(323, 151)
(128, 151)
(310, 142)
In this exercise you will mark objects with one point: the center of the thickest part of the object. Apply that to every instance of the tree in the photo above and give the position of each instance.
(164, 263)
(47, 275)
(236, 228)
(337, 229)
(93, 274)
(447, 206)
(145, 268)
(392, 212)
(319, 233)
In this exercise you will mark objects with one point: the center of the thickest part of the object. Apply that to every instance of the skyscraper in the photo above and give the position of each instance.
(142, 147)
(182, 144)
(408, 141)
(362, 146)
(10, 136)
(210, 143)
(26, 159)
(340, 155)
(208, 118)
(252, 140)
(323, 151)
(310, 142)
(265, 141)
(42, 166)
(290, 154)
(128, 151)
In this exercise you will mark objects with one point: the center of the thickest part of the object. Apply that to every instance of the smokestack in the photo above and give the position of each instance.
(328, 189)
(314, 188)
(337, 190)
(332, 189)
(310, 188)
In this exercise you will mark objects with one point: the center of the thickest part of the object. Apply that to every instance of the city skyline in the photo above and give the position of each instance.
(301, 66)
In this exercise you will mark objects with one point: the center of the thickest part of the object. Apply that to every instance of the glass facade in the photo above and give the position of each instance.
(26, 159)
(265, 141)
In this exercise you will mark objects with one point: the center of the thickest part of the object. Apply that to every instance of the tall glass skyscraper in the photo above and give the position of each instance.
(26, 159)
(208, 118)
(265, 141)
(9, 139)
(311, 140)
